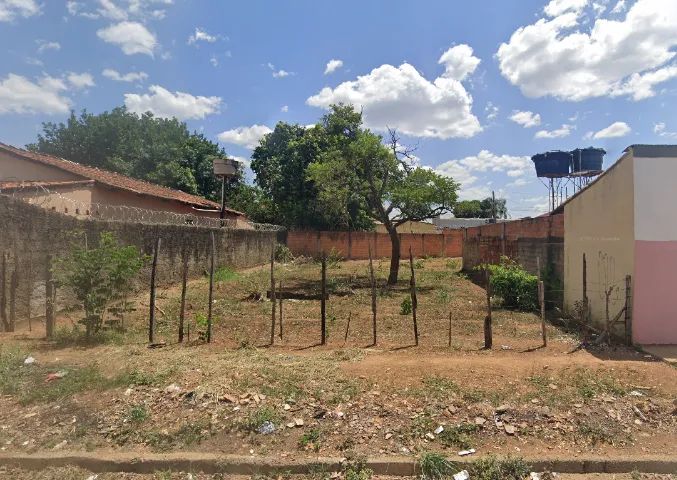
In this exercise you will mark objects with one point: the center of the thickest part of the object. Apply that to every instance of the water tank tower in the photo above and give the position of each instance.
(565, 173)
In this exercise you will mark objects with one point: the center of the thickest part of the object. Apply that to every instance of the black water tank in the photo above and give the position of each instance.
(552, 164)
(587, 159)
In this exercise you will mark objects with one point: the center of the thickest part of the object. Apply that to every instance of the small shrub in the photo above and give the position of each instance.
(283, 254)
(458, 436)
(356, 469)
(419, 264)
(138, 414)
(310, 440)
(334, 258)
(491, 468)
(260, 416)
(405, 307)
(225, 274)
(435, 466)
(514, 285)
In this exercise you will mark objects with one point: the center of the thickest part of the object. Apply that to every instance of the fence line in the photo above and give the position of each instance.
(45, 198)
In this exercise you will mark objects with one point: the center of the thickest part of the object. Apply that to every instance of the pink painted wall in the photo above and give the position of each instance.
(654, 312)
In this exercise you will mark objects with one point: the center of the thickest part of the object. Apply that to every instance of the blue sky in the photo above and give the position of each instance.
(478, 86)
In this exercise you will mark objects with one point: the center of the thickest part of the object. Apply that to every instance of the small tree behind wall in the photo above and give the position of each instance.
(99, 277)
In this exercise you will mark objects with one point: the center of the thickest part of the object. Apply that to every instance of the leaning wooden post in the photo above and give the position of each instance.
(3, 290)
(211, 290)
(279, 299)
(488, 334)
(414, 301)
(272, 294)
(628, 310)
(49, 297)
(323, 301)
(449, 329)
(345, 338)
(184, 282)
(153, 272)
(541, 301)
(373, 296)
(29, 292)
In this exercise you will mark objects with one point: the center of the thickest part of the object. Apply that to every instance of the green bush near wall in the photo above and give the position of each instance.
(517, 288)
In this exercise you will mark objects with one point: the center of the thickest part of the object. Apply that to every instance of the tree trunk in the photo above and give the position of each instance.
(395, 256)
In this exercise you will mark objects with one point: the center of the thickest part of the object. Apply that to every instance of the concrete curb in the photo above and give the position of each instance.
(240, 465)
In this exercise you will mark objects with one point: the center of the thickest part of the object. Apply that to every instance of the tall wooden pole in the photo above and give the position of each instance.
(488, 334)
(184, 282)
(323, 301)
(373, 296)
(414, 301)
(3, 292)
(272, 294)
(49, 297)
(153, 271)
(279, 300)
(211, 290)
(541, 301)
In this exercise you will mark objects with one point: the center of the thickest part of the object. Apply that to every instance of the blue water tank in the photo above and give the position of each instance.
(552, 164)
(587, 159)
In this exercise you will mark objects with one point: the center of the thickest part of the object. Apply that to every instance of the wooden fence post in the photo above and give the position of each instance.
(345, 338)
(29, 291)
(272, 294)
(279, 299)
(449, 329)
(488, 334)
(323, 301)
(3, 292)
(628, 310)
(211, 290)
(13, 285)
(541, 301)
(49, 299)
(373, 296)
(153, 271)
(184, 281)
(414, 301)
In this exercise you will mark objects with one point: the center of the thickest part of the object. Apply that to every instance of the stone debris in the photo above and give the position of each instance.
(465, 453)
(462, 475)
(439, 430)
(29, 360)
(298, 422)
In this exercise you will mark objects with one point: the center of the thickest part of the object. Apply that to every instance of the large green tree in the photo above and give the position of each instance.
(156, 149)
(280, 163)
(481, 208)
(385, 179)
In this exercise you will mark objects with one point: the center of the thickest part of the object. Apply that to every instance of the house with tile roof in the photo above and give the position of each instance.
(77, 189)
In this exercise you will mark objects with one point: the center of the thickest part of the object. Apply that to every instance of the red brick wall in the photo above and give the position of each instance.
(355, 245)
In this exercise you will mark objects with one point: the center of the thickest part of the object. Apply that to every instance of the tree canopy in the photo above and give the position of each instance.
(481, 208)
(150, 148)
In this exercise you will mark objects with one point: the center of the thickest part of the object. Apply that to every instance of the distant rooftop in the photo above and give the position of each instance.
(456, 223)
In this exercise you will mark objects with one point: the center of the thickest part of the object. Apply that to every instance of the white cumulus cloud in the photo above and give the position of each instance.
(563, 131)
(18, 94)
(526, 119)
(131, 37)
(247, 137)
(163, 103)
(660, 129)
(615, 130)
(11, 9)
(44, 46)
(126, 77)
(201, 36)
(80, 80)
(332, 66)
(560, 56)
(401, 97)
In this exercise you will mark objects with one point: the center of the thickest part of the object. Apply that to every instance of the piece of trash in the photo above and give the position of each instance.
(55, 376)
(291, 425)
(506, 347)
(266, 428)
(462, 475)
(29, 360)
(439, 430)
(60, 445)
(430, 436)
(464, 453)
(636, 393)
(173, 388)
(93, 477)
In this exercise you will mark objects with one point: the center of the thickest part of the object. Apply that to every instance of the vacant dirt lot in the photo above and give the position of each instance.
(295, 399)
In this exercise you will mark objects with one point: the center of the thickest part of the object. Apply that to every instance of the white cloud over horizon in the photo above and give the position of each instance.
(247, 137)
(563, 131)
(20, 95)
(332, 66)
(132, 37)
(526, 119)
(401, 97)
(163, 103)
(126, 77)
(615, 130)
